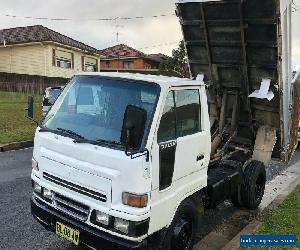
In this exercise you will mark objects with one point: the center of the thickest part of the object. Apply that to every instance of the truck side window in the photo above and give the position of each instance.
(166, 131)
(187, 112)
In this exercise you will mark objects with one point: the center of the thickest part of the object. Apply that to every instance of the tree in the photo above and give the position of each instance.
(177, 62)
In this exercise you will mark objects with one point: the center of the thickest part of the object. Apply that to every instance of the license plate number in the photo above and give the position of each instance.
(67, 233)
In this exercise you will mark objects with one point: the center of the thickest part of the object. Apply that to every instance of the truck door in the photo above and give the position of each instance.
(191, 137)
(181, 148)
(180, 137)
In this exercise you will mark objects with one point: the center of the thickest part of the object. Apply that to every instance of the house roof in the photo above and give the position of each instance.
(39, 33)
(157, 57)
(121, 50)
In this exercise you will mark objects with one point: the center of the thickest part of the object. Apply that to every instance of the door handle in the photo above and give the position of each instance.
(200, 157)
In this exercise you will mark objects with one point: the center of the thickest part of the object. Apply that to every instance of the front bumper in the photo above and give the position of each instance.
(89, 236)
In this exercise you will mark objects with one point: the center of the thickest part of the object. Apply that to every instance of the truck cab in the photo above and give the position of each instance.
(117, 156)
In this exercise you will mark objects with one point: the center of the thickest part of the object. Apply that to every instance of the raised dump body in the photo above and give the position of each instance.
(243, 50)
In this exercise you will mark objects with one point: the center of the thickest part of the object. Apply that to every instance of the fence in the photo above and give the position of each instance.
(27, 83)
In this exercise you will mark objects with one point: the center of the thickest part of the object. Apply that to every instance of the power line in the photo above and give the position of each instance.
(115, 19)
(158, 45)
(89, 19)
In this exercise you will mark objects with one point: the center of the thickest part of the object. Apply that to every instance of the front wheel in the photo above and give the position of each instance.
(182, 231)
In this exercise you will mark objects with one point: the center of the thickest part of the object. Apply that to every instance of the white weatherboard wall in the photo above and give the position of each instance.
(5, 60)
(36, 59)
(27, 59)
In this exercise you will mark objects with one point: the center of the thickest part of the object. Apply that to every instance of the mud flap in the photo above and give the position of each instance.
(264, 144)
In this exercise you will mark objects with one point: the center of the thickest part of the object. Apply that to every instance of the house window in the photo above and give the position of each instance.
(147, 66)
(90, 68)
(90, 64)
(107, 64)
(128, 65)
(63, 59)
(63, 63)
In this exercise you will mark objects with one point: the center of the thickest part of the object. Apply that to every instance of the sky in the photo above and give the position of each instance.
(150, 35)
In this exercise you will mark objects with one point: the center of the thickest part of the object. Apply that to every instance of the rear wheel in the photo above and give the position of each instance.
(236, 198)
(254, 184)
(182, 231)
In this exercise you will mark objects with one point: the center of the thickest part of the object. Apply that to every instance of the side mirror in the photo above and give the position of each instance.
(133, 127)
(29, 109)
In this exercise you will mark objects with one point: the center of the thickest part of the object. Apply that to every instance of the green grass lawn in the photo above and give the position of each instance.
(14, 127)
(283, 220)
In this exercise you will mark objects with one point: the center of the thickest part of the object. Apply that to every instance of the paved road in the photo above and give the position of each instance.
(18, 230)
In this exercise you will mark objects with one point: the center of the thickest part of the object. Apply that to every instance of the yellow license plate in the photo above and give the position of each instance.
(67, 233)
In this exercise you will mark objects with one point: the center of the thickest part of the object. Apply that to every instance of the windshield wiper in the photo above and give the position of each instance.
(70, 132)
(43, 129)
(96, 142)
(80, 138)
(109, 142)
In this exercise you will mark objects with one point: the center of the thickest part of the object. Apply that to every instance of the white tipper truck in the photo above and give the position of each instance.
(130, 161)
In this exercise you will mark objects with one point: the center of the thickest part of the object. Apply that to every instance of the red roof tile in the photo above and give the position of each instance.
(121, 50)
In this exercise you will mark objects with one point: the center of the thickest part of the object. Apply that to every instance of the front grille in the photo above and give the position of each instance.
(71, 207)
(74, 187)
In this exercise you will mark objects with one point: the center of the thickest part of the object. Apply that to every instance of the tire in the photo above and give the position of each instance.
(182, 231)
(254, 184)
(235, 199)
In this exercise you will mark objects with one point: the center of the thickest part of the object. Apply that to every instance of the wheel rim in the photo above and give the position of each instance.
(182, 234)
(259, 187)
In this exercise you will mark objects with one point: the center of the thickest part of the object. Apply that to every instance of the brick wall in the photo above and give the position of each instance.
(139, 63)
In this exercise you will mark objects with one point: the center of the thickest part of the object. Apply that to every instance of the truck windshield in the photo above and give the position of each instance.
(92, 108)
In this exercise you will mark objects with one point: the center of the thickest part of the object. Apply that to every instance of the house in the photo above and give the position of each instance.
(123, 57)
(37, 50)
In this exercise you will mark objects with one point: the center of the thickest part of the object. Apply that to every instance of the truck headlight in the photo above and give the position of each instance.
(121, 225)
(102, 218)
(135, 200)
(36, 188)
(47, 194)
(129, 228)
(34, 164)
